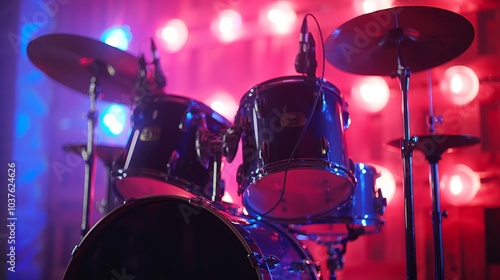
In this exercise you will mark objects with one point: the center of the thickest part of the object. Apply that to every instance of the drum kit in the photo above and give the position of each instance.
(296, 179)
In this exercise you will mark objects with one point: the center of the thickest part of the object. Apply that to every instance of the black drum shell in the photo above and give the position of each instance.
(161, 155)
(272, 116)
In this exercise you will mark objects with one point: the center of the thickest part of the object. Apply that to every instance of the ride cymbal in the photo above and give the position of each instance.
(427, 36)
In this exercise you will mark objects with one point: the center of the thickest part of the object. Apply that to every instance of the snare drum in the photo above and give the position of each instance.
(319, 173)
(362, 215)
(161, 156)
(169, 237)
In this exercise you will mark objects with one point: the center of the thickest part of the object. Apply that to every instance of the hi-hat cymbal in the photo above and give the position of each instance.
(433, 146)
(428, 37)
(73, 60)
(108, 154)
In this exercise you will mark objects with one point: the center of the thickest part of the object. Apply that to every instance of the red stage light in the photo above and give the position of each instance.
(174, 35)
(461, 84)
(279, 16)
(371, 94)
(385, 182)
(228, 25)
(460, 184)
(368, 6)
(224, 104)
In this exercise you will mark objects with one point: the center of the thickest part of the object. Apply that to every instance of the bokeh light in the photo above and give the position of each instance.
(228, 25)
(174, 35)
(385, 182)
(117, 36)
(279, 16)
(371, 93)
(460, 84)
(460, 184)
(224, 104)
(368, 6)
(113, 120)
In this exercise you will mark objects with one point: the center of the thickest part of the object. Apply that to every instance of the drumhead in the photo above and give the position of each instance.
(163, 237)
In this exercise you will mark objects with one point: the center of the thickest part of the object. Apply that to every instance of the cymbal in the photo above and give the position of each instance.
(433, 146)
(428, 37)
(108, 154)
(73, 60)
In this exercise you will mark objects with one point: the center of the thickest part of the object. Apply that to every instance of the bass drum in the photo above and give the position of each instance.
(319, 173)
(161, 155)
(170, 237)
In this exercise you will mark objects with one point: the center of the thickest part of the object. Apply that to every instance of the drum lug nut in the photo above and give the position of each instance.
(129, 201)
(258, 261)
(199, 201)
(325, 145)
(271, 261)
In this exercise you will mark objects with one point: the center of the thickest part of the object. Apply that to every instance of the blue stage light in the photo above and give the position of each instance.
(113, 120)
(118, 37)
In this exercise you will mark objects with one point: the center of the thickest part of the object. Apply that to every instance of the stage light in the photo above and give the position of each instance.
(459, 185)
(224, 104)
(371, 94)
(174, 35)
(385, 182)
(279, 16)
(227, 26)
(368, 6)
(461, 84)
(113, 120)
(118, 37)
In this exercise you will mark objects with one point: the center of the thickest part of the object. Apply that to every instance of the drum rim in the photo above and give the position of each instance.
(264, 172)
(165, 97)
(299, 164)
(161, 177)
(291, 79)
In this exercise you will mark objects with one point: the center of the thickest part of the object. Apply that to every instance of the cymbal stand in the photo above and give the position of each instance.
(217, 185)
(407, 146)
(433, 156)
(89, 156)
(106, 205)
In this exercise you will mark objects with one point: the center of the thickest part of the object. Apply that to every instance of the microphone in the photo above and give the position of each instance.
(301, 59)
(160, 79)
(141, 88)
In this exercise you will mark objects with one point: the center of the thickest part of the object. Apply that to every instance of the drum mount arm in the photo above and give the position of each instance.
(209, 151)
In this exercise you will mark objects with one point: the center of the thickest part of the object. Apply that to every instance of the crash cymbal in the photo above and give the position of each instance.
(73, 60)
(428, 37)
(433, 146)
(108, 154)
